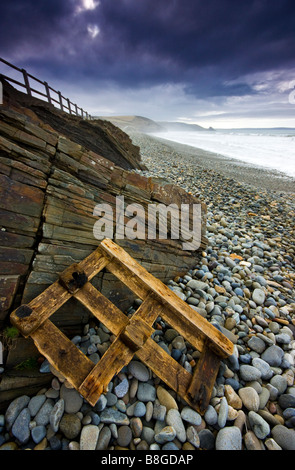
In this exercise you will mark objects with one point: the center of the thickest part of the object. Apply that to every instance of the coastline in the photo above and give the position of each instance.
(258, 177)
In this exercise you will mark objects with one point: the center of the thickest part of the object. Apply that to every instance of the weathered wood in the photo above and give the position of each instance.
(142, 283)
(55, 296)
(62, 353)
(200, 388)
(134, 334)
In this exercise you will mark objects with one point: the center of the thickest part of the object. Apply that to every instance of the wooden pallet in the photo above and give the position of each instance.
(133, 336)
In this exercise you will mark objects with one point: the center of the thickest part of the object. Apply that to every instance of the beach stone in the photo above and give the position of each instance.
(139, 371)
(166, 399)
(14, 409)
(149, 411)
(194, 284)
(72, 399)
(287, 400)
(250, 398)
(222, 413)
(146, 392)
(89, 437)
(257, 344)
(252, 442)
(166, 434)
(43, 415)
(192, 436)
(139, 409)
(259, 425)
(20, 428)
(249, 373)
(207, 439)
(159, 412)
(211, 416)
(56, 414)
(109, 415)
(258, 296)
(38, 433)
(264, 367)
(35, 404)
(102, 403)
(173, 419)
(122, 388)
(191, 416)
(273, 355)
(279, 382)
(232, 397)
(70, 426)
(284, 437)
(136, 426)
(124, 436)
(229, 438)
(104, 438)
(263, 397)
(271, 444)
(148, 435)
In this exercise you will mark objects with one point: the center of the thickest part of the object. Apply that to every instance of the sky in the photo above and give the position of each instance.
(219, 63)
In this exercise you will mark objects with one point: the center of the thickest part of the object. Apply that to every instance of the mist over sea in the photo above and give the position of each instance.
(268, 148)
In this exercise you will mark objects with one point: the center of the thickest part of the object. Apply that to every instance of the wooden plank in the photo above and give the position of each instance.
(55, 296)
(200, 388)
(62, 353)
(102, 308)
(111, 363)
(179, 314)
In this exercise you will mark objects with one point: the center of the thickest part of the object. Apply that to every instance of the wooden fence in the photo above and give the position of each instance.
(63, 103)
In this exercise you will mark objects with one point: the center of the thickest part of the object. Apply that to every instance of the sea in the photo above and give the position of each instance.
(268, 148)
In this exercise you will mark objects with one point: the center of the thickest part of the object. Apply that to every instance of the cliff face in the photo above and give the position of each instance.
(50, 184)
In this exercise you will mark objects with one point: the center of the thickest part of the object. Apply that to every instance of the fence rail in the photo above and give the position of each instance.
(63, 103)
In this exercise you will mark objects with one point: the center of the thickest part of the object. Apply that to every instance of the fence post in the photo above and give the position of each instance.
(76, 107)
(60, 100)
(47, 92)
(27, 83)
(69, 105)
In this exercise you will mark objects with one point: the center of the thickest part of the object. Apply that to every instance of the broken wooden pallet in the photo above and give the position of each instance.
(133, 335)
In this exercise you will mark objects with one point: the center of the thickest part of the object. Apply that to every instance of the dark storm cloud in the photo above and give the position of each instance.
(140, 43)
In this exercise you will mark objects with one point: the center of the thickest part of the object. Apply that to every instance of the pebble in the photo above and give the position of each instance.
(72, 399)
(284, 437)
(124, 436)
(250, 398)
(20, 428)
(166, 399)
(174, 420)
(146, 392)
(70, 426)
(191, 416)
(166, 434)
(139, 371)
(229, 438)
(259, 425)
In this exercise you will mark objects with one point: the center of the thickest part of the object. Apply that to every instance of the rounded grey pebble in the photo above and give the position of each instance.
(229, 438)
(284, 437)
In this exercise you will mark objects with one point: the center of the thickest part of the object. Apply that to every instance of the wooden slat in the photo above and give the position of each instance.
(102, 308)
(111, 363)
(200, 388)
(142, 283)
(62, 353)
(50, 300)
